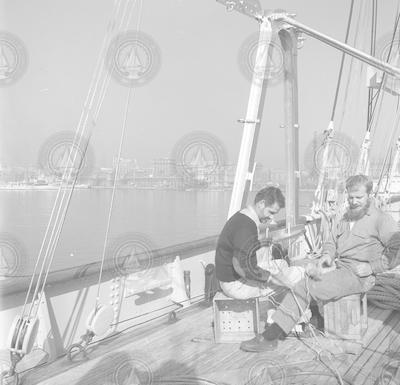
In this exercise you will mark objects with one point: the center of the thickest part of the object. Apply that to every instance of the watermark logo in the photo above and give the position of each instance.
(336, 160)
(65, 153)
(266, 371)
(11, 252)
(258, 256)
(198, 156)
(390, 373)
(133, 371)
(133, 253)
(133, 58)
(13, 58)
(273, 71)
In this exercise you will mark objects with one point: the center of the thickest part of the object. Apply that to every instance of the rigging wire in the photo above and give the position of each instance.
(123, 132)
(62, 221)
(342, 62)
(372, 52)
(386, 163)
(115, 334)
(63, 205)
(361, 24)
(122, 139)
(363, 161)
(375, 101)
(384, 78)
(65, 178)
(378, 97)
(381, 174)
(187, 379)
(107, 79)
(162, 308)
(319, 196)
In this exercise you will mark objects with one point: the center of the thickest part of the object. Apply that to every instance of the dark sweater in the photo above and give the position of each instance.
(237, 244)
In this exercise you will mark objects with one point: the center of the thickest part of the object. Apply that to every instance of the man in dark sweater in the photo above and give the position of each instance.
(236, 258)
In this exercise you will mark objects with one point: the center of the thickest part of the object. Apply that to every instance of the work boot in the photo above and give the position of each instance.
(259, 344)
(266, 341)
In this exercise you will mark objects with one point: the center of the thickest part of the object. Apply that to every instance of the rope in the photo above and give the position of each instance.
(289, 312)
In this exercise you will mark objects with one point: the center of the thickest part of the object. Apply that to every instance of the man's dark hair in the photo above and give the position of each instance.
(359, 180)
(270, 195)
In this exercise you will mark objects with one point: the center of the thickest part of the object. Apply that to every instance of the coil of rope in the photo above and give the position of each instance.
(386, 292)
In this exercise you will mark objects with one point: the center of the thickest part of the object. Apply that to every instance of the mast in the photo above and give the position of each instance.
(289, 44)
(283, 22)
(252, 122)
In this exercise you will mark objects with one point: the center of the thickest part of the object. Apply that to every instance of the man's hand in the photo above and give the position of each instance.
(318, 267)
(314, 271)
(363, 269)
(324, 262)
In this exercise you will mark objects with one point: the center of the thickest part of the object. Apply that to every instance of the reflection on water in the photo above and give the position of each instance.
(164, 217)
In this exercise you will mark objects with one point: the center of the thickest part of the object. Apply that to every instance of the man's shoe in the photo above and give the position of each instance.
(259, 344)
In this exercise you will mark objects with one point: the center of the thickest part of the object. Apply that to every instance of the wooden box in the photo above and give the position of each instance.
(235, 320)
(347, 317)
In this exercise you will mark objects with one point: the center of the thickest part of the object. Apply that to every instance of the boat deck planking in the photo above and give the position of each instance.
(163, 350)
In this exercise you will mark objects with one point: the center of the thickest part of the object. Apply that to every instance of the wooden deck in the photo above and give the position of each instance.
(180, 352)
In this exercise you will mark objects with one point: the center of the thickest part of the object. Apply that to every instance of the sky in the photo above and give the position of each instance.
(199, 85)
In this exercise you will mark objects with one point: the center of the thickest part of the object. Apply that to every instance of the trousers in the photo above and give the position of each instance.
(331, 286)
(242, 289)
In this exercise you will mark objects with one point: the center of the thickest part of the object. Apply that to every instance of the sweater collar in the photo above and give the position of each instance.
(251, 213)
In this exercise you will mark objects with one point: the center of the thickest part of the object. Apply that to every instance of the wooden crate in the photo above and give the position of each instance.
(347, 317)
(235, 320)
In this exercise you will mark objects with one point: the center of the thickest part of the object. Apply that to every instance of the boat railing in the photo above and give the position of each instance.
(79, 277)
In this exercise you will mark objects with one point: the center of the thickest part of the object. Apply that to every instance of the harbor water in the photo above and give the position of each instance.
(160, 218)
